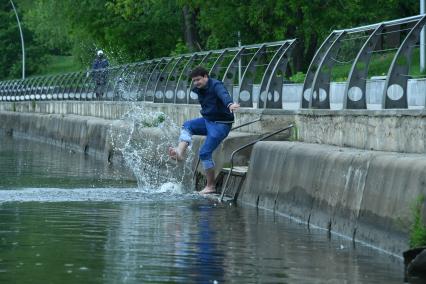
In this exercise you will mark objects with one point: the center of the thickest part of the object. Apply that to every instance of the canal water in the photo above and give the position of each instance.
(66, 217)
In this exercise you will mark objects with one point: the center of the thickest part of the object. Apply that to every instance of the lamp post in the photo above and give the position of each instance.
(22, 40)
(422, 39)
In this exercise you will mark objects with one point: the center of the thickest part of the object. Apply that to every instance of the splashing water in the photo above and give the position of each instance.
(143, 139)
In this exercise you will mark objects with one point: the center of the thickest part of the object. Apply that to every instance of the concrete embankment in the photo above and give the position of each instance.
(364, 190)
(382, 130)
(94, 135)
(86, 134)
(366, 195)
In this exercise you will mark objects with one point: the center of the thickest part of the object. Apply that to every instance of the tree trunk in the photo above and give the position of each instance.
(190, 30)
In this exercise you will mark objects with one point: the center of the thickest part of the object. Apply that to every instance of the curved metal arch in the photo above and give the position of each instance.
(136, 71)
(25, 86)
(55, 89)
(214, 71)
(72, 82)
(355, 90)
(52, 83)
(268, 73)
(88, 85)
(159, 94)
(6, 88)
(112, 75)
(397, 77)
(78, 84)
(16, 86)
(13, 90)
(273, 89)
(36, 89)
(231, 71)
(128, 77)
(150, 65)
(313, 67)
(171, 83)
(31, 85)
(181, 91)
(60, 89)
(66, 85)
(247, 79)
(321, 83)
(149, 91)
(118, 80)
(193, 97)
(44, 80)
(9, 89)
(144, 74)
(2, 83)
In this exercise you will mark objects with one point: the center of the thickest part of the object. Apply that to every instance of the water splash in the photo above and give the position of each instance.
(143, 138)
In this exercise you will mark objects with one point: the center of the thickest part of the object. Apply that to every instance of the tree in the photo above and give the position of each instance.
(10, 44)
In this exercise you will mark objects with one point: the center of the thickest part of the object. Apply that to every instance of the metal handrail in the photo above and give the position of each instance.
(233, 128)
(242, 148)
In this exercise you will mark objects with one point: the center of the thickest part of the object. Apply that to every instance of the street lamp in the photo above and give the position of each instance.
(22, 40)
(422, 39)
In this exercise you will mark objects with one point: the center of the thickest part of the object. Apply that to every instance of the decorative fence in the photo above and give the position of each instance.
(253, 74)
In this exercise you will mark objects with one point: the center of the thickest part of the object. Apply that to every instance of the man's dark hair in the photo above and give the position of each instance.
(199, 71)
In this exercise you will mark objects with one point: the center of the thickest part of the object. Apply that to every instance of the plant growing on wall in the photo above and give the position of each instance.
(418, 229)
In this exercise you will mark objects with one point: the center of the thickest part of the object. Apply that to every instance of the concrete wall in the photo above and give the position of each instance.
(92, 135)
(357, 192)
(363, 194)
(383, 130)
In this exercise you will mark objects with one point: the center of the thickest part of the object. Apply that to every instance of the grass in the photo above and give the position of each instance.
(418, 229)
(61, 64)
(379, 66)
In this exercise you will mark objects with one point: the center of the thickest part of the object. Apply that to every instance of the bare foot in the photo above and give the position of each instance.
(174, 154)
(208, 190)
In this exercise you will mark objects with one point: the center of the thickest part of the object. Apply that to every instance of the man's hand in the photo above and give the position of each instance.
(233, 107)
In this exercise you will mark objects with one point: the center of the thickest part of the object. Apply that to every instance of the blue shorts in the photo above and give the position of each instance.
(216, 132)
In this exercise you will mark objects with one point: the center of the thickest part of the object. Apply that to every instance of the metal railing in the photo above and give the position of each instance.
(266, 136)
(401, 35)
(233, 128)
(166, 80)
(244, 69)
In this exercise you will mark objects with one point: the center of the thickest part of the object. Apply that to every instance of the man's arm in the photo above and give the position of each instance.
(224, 96)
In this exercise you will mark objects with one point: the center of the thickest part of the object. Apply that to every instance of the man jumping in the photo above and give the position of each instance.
(217, 108)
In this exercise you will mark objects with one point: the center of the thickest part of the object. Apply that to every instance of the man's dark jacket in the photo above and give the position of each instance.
(215, 101)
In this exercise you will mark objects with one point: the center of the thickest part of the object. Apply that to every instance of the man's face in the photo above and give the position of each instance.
(200, 81)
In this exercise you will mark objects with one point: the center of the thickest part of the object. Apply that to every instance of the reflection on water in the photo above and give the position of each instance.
(102, 233)
(25, 163)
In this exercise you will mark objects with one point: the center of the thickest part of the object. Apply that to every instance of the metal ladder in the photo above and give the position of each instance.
(242, 171)
(233, 128)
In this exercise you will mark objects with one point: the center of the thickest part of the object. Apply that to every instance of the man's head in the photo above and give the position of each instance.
(199, 76)
(100, 53)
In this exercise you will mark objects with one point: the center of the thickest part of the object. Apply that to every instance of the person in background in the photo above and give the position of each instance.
(217, 111)
(100, 73)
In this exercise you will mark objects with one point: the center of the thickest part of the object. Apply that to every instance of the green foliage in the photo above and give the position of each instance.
(153, 119)
(299, 77)
(418, 229)
(135, 30)
(10, 47)
(57, 64)
(181, 48)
